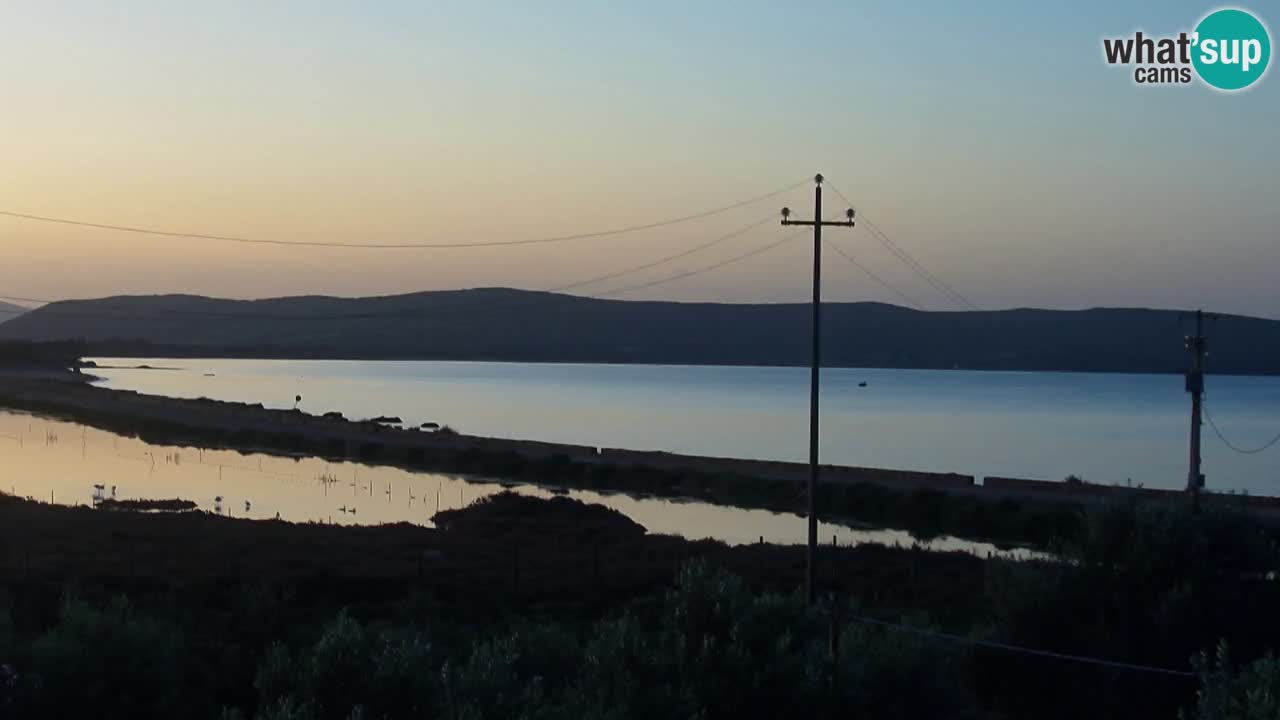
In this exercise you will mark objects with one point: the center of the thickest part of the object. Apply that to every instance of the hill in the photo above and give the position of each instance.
(9, 311)
(516, 325)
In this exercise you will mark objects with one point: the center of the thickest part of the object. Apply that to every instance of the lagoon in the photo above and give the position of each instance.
(1105, 428)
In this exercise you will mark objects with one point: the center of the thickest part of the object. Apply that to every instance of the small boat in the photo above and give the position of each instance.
(862, 384)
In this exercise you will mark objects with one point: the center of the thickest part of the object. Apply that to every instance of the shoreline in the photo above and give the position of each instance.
(555, 553)
(205, 354)
(1006, 511)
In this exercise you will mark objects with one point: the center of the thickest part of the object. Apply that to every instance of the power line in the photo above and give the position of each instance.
(701, 270)
(405, 246)
(907, 259)
(652, 283)
(634, 269)
(1102, 662)
(1204, 403)
(933, 280)
(662, 261)
(459, 308)
(876, 278)
(1243, 451)
(917, 267)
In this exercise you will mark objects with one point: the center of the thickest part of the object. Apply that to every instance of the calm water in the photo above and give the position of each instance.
(61, 462)
(1104, 428)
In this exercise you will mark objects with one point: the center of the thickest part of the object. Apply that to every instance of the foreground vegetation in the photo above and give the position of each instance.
(1146, 584)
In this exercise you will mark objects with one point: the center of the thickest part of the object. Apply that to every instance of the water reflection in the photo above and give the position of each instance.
(71, 464)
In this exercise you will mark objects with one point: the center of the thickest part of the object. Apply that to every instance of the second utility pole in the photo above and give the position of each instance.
(815, 361)
(1196, 345)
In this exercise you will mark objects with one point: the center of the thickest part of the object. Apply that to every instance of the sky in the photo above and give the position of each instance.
(988, 139)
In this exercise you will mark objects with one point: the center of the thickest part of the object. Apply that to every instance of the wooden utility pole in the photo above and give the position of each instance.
(1197, 345)
(815, 361)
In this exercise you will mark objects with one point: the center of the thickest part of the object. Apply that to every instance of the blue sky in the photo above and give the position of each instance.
(989, 139)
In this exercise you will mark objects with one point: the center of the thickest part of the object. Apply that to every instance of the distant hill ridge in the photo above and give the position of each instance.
(520, 325)
(9, 311)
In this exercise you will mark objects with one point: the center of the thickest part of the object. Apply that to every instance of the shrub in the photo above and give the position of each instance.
(888, 673)
(110, 662)
(1147, 582)
(1251, 693)
(498, 680)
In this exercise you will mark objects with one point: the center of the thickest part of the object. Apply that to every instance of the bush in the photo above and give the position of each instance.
(1252, 693)
(1140, 585)
(1142, 582)
(716, 650)
(892, 673)
(328, 681)
(110, 662)
(494, 683)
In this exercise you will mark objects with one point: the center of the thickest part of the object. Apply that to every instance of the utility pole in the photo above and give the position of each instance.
(815, 361)
(1196, 345)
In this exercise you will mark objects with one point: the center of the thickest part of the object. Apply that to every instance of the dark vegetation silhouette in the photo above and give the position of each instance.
(1149, 583)
(19, 354)
(516, 325)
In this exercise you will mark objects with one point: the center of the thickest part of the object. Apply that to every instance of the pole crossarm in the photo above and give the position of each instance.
(824, 223)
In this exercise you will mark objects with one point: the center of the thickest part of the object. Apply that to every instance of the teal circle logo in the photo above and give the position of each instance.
(1231, 49)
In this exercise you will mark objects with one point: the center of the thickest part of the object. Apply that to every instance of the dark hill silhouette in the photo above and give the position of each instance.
(517, 325)
(9, 311)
